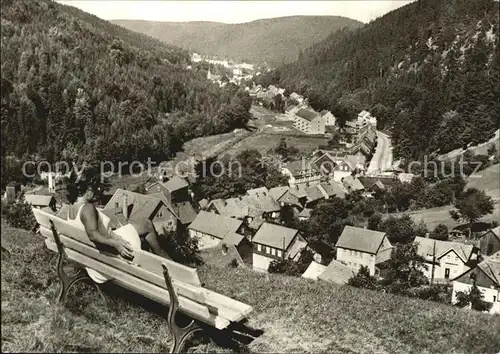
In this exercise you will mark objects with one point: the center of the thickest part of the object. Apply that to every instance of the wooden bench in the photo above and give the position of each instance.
(159, 279)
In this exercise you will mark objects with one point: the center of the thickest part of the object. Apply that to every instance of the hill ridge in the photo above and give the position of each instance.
(272, 40)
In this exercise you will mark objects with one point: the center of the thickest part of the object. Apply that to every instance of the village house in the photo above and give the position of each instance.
(365, 117)
(486, 276)
(284, 196)
(275, 242)
(175, 189)
(337, 165)
(125, 206)
(336, 273)
(352, 184)
(295, 96)
(358, 247)
(41, 201)
(328, 117)
(309, 122)
(175, 194)
(248, 207)
(490, 242)
(305, 214)
(372, 185)
(210, 229)
(451, 258)
(301, 172)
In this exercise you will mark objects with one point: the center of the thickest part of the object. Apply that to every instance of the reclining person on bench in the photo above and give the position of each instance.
(83, 214)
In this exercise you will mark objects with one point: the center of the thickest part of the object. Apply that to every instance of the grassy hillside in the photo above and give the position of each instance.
(276, 40)
(295, 314)
(487, 180)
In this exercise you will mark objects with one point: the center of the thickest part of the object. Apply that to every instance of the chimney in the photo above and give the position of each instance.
(125, 206)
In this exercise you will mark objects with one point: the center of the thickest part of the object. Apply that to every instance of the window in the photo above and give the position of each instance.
(278, 253)
(117, 205)
(259, 248)
(158, 188)
(160, 214)
(490, 249)
(273, 252)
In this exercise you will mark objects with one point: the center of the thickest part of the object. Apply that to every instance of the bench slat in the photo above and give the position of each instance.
(229, 308)
(149, 290)
(142, 258)
(121, 264)
(218, 304)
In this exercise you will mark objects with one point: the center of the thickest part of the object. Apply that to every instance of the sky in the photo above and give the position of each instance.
(232, 11)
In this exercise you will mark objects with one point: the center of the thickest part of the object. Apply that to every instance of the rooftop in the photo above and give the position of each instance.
(307, 114)
(175, 183)
(336, 273)
(214, 224)
(426, 248)
(362, 240)
(275, 236)
(313, 271)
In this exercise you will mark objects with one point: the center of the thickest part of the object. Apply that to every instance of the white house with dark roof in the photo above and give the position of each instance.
(328, 117)
(358, 247)
(301, 172)
(451, 258)
(275, 242)
(486, 276)
(309, 121)
(210, 229)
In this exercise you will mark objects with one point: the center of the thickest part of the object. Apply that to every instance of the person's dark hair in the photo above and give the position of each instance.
(87, 179)
(75, 190)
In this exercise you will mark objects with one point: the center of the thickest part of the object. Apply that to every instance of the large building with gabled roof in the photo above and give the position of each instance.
(275, 242)
(450, 258)
(309, 121)
(358, 247)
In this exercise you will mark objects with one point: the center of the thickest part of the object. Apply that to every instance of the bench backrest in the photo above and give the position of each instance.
(144, 274)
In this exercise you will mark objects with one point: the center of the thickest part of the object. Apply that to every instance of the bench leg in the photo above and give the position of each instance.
(66, 282)
(179, 334)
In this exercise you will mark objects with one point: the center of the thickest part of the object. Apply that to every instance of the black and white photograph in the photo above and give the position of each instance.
(250, 176)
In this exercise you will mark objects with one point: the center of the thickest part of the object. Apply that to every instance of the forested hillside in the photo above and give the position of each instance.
(76, 87)
(428, 71)
(274, 40)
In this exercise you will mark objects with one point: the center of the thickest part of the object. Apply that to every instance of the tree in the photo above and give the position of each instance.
(405, 268)
(363, 279)
(374, 221)
(471, 206)
(474, 297)
(402, 229)
(440, 232)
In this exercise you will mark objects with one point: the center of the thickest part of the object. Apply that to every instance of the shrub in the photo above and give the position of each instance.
(180, 247)
(233, 263)
(363, 279)
(19, 214)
